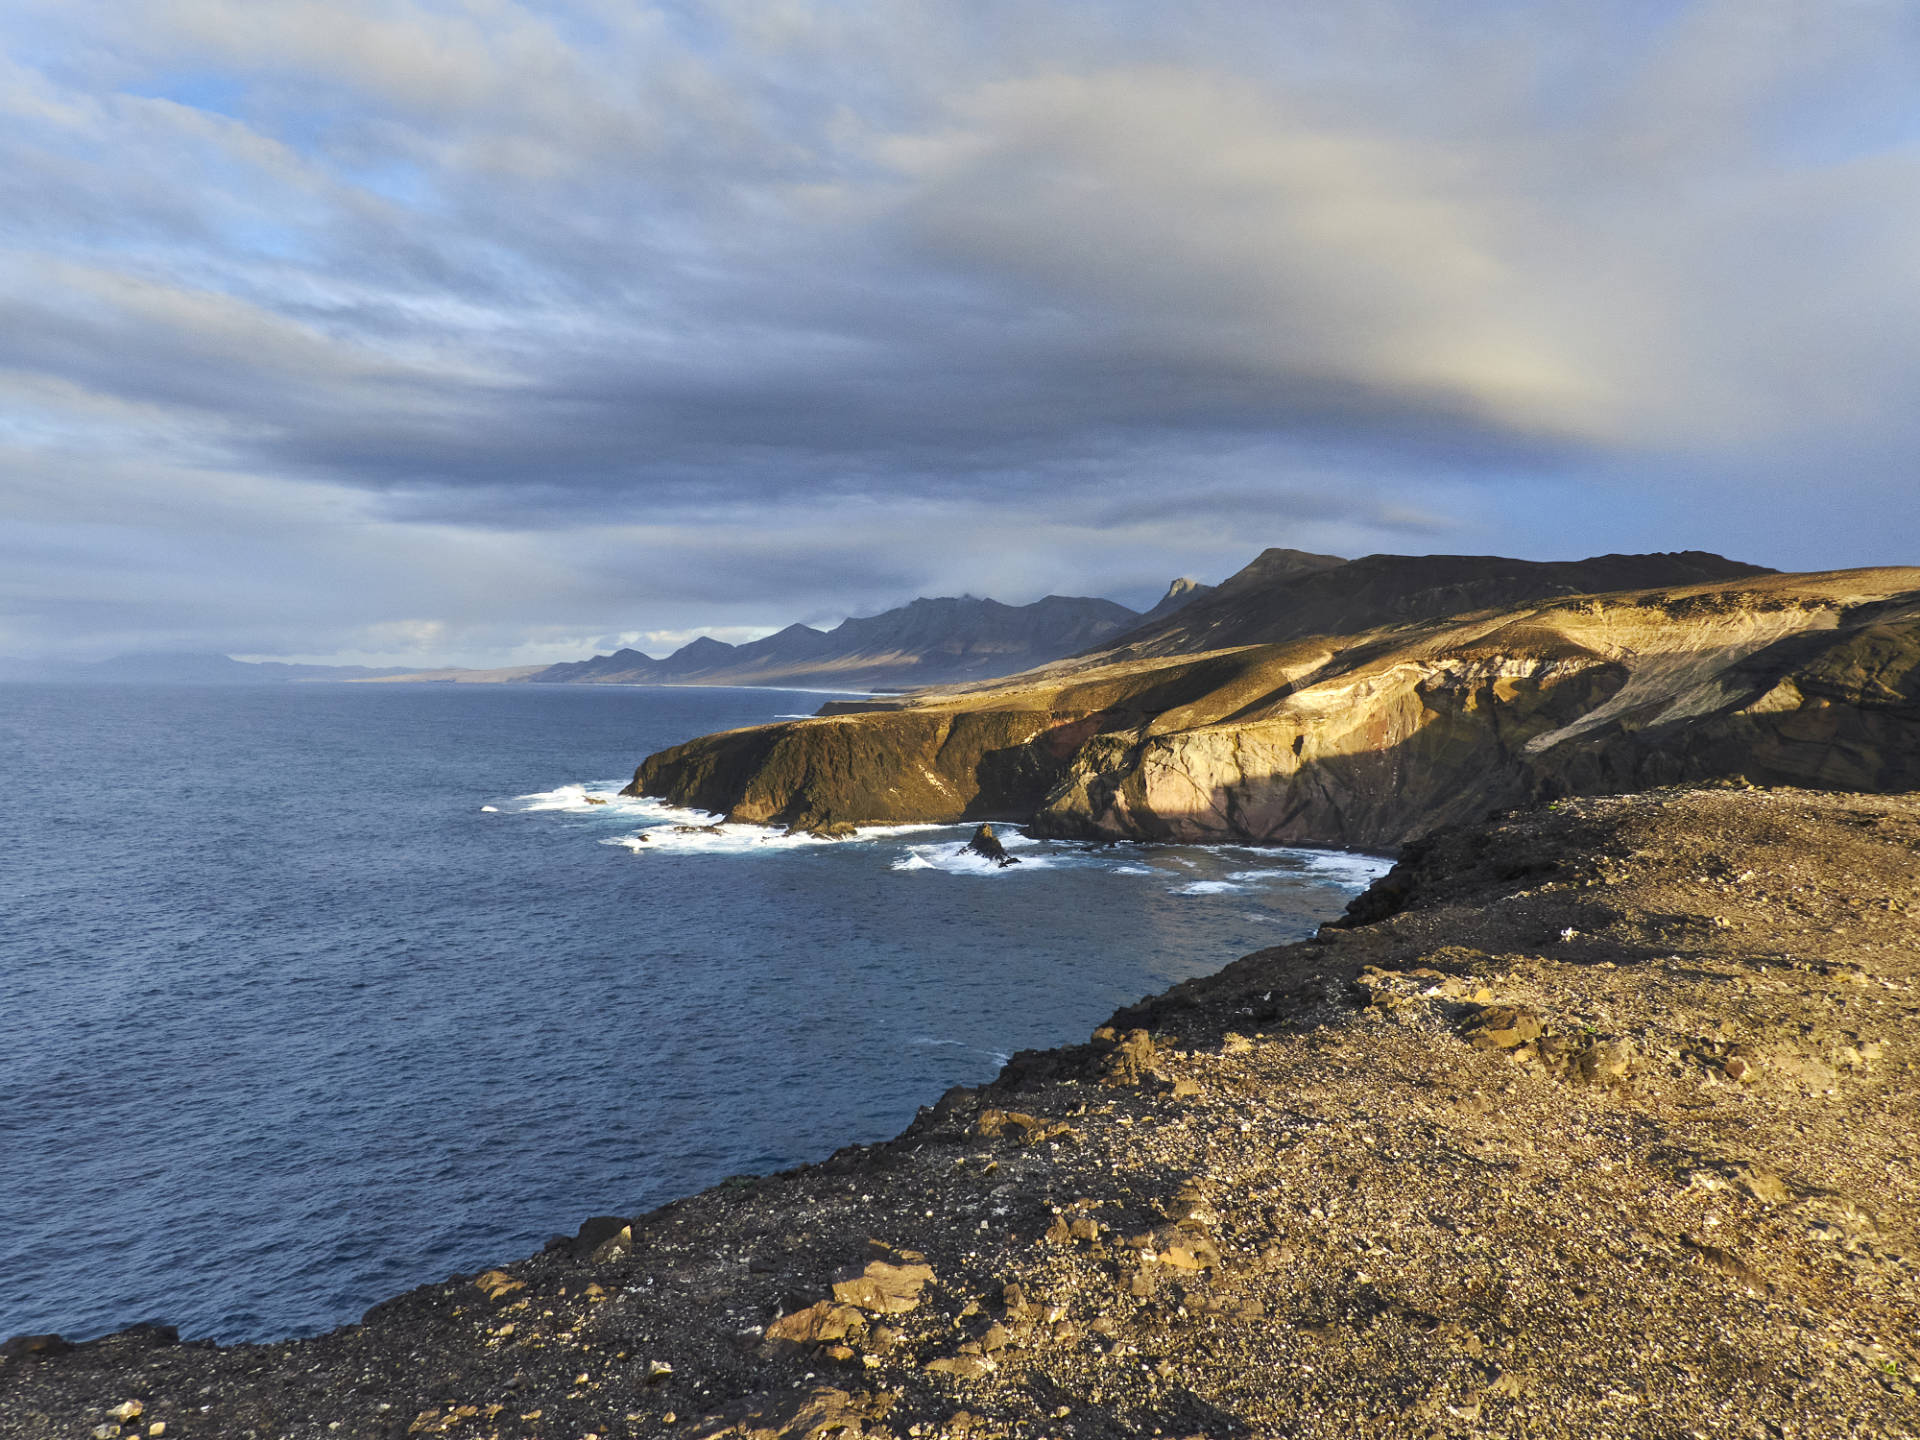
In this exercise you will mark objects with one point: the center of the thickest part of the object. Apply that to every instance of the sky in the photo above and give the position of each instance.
(495, 332)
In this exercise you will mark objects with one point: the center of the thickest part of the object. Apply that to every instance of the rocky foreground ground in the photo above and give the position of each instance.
(1595, 1120)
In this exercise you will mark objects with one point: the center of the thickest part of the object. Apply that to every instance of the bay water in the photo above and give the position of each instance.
(311, 994)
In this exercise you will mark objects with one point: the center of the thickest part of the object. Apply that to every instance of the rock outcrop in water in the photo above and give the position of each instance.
(1368, 736)
(987, 846)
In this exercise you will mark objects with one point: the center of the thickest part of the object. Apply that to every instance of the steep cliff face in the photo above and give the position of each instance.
(1368, 740)
(900, 765)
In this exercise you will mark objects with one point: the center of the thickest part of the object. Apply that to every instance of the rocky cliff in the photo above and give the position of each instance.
(1368, 738)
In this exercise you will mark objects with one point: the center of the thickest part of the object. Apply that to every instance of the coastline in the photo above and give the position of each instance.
(1374, 733)
(1597, 1120)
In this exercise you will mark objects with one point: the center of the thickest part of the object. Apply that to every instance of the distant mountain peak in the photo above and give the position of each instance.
(931, 640)
(1182, 592)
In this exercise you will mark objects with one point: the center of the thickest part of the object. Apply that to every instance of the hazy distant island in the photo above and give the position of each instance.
(165, 667)
(1594, 1116)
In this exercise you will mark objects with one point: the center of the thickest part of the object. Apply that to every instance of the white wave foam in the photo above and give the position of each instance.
(594, 795)
(665, 828)
(1340, 867)
(954, 858)
(999, 1057)
(489, 809)
(711, 840)
(690, 832)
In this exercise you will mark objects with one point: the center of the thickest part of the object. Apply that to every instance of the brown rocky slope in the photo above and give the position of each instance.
(1597, 1120)
(1372, 736)
(1290, 594)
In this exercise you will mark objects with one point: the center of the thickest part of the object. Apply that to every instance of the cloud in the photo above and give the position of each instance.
(1293, 270)
(532, 321)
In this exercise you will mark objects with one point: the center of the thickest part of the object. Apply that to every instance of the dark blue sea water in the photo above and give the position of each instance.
(312, 994)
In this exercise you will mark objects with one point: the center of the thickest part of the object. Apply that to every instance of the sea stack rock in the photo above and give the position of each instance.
(987, 844)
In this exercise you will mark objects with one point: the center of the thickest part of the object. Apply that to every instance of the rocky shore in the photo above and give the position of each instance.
(1592, 1119)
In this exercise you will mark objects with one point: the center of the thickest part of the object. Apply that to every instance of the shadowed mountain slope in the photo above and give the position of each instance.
(1287, 594)
(1369, 738)
(927, 642)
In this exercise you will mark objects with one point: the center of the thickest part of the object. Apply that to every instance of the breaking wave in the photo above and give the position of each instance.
(1340, 867)
(695, 832)
(651, 826)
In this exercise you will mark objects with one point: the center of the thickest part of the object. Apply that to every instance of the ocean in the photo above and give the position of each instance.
(312, 994)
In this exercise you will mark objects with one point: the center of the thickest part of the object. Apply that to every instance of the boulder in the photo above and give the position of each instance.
(822, 1321)
(1126, 1059)
(497, 1284)
(884, 1289)
(1502, 1027)
(35, 1345)
(967, 1367)
(826, 829)
(987, 845)
(597, 1230)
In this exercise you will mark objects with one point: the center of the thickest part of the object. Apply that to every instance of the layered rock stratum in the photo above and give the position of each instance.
(1593, 1120)
(1360, 705)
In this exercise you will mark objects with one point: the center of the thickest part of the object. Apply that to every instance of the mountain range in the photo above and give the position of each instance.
(1287, 594)
(926, 642)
